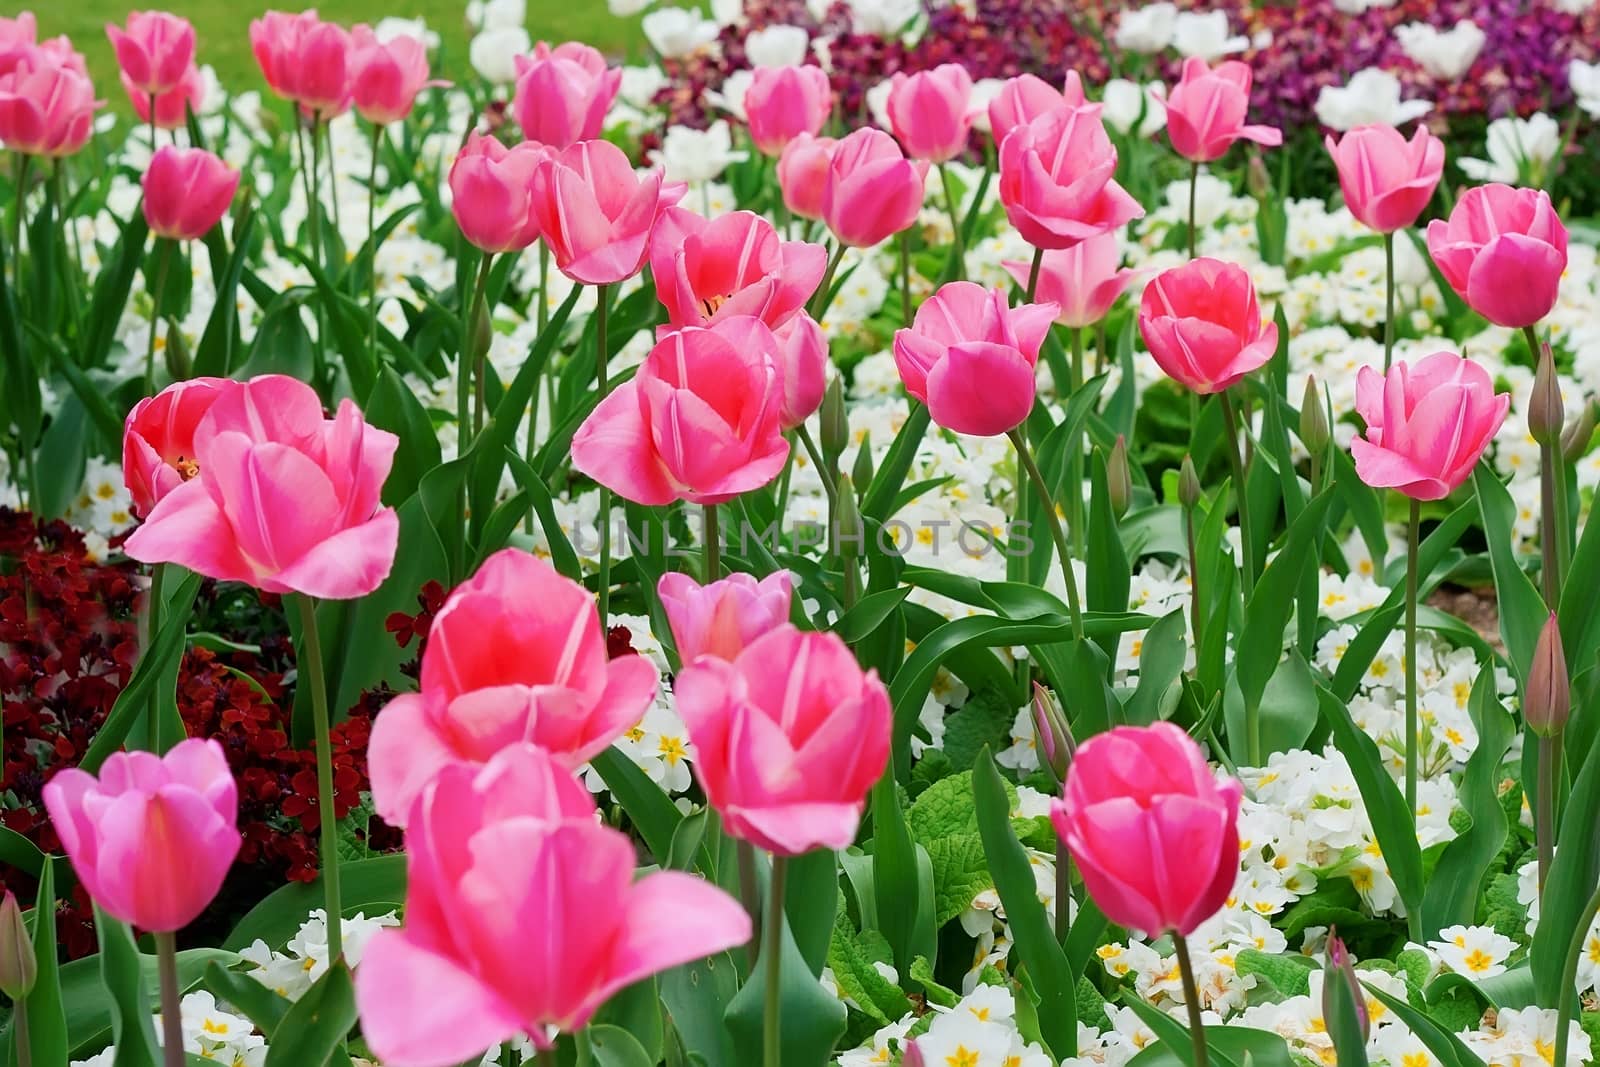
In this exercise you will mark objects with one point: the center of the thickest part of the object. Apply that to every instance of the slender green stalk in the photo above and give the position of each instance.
(829, 485)
(1569, 974)
(1102, 358)
(771, 950)
(171, 1000)
(824, 295)
(469, 375)
(1075, 523)
(1412, 529)
(1033, 273)
(1544, 811)
(1242, 496)
(601, 355)
(1191, 998)
(1555, 521)
(713, 545)
(1076, 334)
(19, 1012)
(1063, 890)
(1048, 506)
(152, 615)
(318, 254)
(955, 220)
(23, 162)
(1196, 612)
(542, 317)
(163, 263)
(311, 674)
(1388, 301)
(333, 174)
(1194, 232)
(783, 488)
(372, 247)
(546, 1057)
(905, 277)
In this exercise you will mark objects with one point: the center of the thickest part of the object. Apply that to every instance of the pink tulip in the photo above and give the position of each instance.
(522, 916)
(174, 105)
(1206, 111)
(46, 107)
(789, 738)
(596, 214)
(158, 439)
(707, 271)
(491, 193)
(1503, 251)
(152, 837)
(154, 50)
(872, 190)
(515, 655)
(1387, 180)
(1202, 324)
(723, 618)
(1082, 281)
(803, 175)
(1026, 97)
(1427, 425)
(563, 94)
(304, 60)
(1154, 833)
(699, 422)
(17, 38)
(931, 112)
(782, 103)
(1056, 179)
(386, 76)
(58, 51)
(186, 192)
(970, 357)
(282, 499)
(803, 356)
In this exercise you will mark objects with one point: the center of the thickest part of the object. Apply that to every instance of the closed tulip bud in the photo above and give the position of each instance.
(1341, 977)
(1257, 180)
(18, 967)
(1548, 699)
(911, 1055)
(1314, 432)
(852, 533)
(1055, 735)
(1188, 484)
(1545, 417)
(179, 365)
(835, 424)
(1119, 479)
(862, 470)
(482, 330)
(1575, 442)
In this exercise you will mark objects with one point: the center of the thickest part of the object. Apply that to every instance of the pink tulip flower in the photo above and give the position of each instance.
(1154, 833)
(970, 357)
(709, 270)
(1427, 425)
(523, 916)
(782, 103)
(17, 38)
(1026, 97)
(1056, 179)
(304, 60)
(1387, 181)
(1202, 324)
(491, 193)
(1206, 111)
(515, 655)
(803, 175)
(1503, 251)
(803, 359)
(931, 113)
(152, 837)
(596, 214)
(563, 94)
(46, 107)
(186, 192)
(699, 422)
(154, 50)
(1083, 281)
(725, 617)
(872, 191)
(158, 439)
(386, 76)
(174, 105)
(789, 737)
(282, 498)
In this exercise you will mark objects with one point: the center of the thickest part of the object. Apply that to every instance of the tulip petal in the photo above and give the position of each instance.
(613, 447)
(404, 754)
(186, 527)
(350, 564)
(670, 918)
(421, 1009)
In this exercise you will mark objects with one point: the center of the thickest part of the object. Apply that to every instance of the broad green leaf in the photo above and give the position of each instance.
(891, 474)
(696, 996)
(316, 1027)
(612, 1046)
(1522, 610)
(127, 1001)
(811, 1019)
(261, 1005)
(1449, 1049)
(810, 900)
(1161, 654)
(1289, 974)
(393, 406)
(1574, 874)
(47, 1022)
(652, 811)
(372, 886)
(894, 871)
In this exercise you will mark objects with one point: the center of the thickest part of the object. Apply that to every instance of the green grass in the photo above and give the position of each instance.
(223, 28)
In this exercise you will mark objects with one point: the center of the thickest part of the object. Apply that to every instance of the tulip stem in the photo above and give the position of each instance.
(152, 617)
(905, 277)
(163, 252)
(713, 544)
(1194, 185)
(19, 1012)
(23, 162)
(1412, 527)
(1063, 891)
(1047, 505)
(1242, 496)
(1033, 273)
(171, 1000)
(955, 221)
(479, 351)
(1544, 818)
(750, 895)
(771, 956)
(1191, 999)
(824, 294)
(1196, 609)
(602, 295)
(152, 124)
(372, 247)
(1388, 301)
(1555, 524)
(542, 317)
(311, 674)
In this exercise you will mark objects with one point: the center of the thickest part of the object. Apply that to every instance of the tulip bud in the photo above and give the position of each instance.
(482, 331)
(1548, 699)
(1056, 746)
(1257, 180)
(847, 518)
(1188, 485)
(18, 967)
(1575, 442)
(1341, 977)
(1545, 416)
(862, 470)
(835, 424)
(176, 353)
(1314, 433)
(911, 1055)
(267, 119)
(1119, 480)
